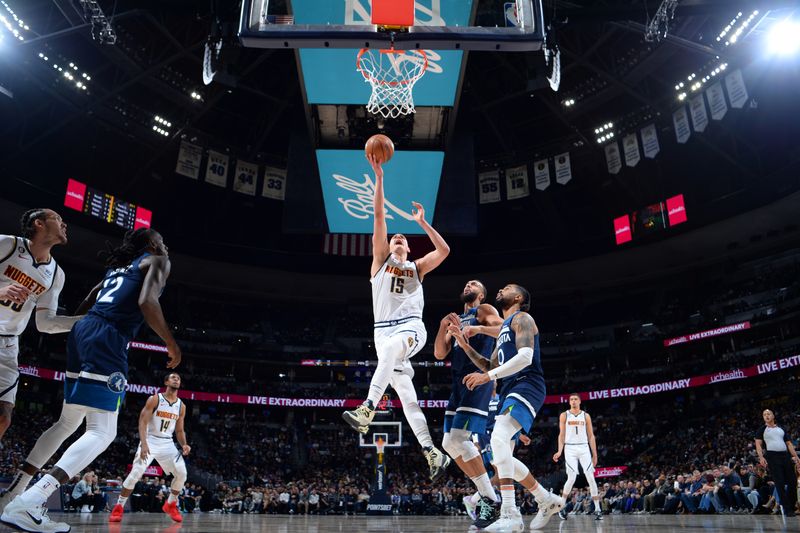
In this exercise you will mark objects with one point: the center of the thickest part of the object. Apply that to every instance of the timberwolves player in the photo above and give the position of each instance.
(161, 416)
(467, 409)
(29, 279)
(576, 442)
(516, 361)
(397, 303)
(97, 369)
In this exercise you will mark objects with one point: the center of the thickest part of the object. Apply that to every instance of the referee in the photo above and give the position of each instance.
(777, 459)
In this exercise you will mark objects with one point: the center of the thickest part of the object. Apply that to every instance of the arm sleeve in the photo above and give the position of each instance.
(7, 244)
(523, 359)
(46, 319)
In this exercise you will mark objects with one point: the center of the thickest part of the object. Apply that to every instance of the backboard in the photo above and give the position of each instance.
(390, 432)
(492, 25)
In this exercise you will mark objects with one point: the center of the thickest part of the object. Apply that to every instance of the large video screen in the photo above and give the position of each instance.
(348, 188)
(331, 77)
(104, 206)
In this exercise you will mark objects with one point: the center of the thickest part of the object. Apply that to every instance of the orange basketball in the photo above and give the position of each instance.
(380, 147)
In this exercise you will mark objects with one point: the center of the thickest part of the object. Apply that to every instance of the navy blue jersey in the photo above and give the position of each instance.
(460, 363)
(494, 405)
(507, 350)
(118, 300)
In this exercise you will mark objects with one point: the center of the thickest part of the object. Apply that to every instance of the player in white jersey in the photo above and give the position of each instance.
(577, 443)
(162, 416)
(29, 279)
(397, 302)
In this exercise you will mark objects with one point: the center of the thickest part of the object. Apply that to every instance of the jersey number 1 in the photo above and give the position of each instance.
(397, 285)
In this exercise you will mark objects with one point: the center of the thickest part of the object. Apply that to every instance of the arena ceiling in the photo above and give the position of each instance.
(102, 132)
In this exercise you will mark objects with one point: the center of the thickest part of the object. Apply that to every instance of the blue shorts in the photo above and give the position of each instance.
(468, 409)
(97, 365)
(523, 399)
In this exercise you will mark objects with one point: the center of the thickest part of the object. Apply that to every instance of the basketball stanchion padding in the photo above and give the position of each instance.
(393, 13)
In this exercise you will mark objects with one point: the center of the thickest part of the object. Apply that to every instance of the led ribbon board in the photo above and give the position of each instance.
(348, 188)
(330, 75)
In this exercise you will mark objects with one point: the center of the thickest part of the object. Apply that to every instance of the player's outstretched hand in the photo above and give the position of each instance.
(476, 379)
(174, 356)
(556, 457)
(456, 333)
(15, 293)
(418, 212)
(376, 166)
(186, 449)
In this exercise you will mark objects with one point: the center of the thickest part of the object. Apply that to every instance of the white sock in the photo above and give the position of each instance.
(539, 494)
(484, 486)
(40, 491)
(509, 497)
(18, 484)
(419, 425)
(121, 500)
(475, 498)
(172, 498)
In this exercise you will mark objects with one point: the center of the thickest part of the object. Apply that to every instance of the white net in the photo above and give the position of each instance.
(392, 75)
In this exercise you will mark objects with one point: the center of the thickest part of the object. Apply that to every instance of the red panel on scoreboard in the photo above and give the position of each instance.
(143, 218)
(676, 210)
(622, 229)
(76, 193)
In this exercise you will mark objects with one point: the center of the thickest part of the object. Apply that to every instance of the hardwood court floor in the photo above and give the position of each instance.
(215, 523)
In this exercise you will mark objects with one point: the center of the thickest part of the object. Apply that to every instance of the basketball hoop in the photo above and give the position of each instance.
(380, 444)
(392, 75)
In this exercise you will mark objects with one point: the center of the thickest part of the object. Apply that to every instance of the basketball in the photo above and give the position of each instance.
(380, 147)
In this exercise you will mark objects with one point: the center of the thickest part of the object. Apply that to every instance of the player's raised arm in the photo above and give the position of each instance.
(144, 418)
(433, 259)
(443, 342)
(380, 242)
(158, 267)
(490, 322)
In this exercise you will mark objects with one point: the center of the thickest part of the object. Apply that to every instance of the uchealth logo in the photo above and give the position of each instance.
(624, 229)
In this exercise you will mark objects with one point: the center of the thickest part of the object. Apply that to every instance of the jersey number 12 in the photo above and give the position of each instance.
(110, 286)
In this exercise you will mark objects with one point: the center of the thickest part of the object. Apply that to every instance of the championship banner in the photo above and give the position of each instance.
(716, 332)
(541, 174)
(769, 367)
(681, 121)
(274, 183)
(613, 158)
(217, 169)
(650, 141)
(737, 91)
(630, 144)
(563, 169)
(610, 471)
(517, 182)
(716, 100)
(189, 156)
(245, 178)
(699, 115)
(489, 187)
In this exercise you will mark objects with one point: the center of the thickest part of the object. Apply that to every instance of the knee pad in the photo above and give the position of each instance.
(458, 443)
(520, 470)
(179, 476)
(137, 470)
(592, 483)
